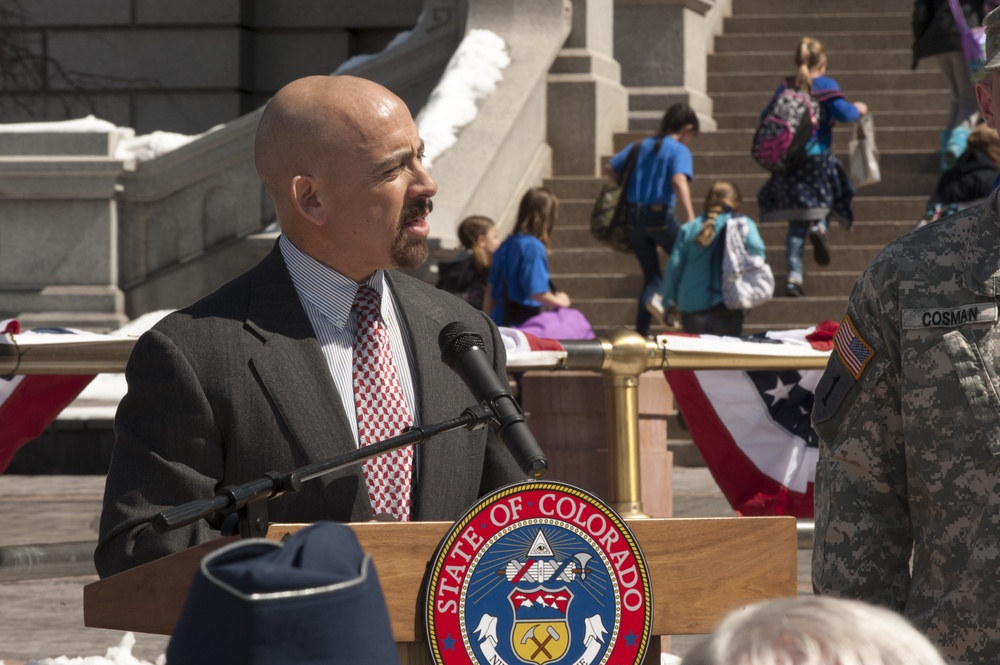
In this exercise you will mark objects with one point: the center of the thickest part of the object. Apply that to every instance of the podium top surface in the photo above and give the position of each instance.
(699, 568)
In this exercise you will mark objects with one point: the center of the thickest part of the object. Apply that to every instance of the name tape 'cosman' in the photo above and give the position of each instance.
(984, 312)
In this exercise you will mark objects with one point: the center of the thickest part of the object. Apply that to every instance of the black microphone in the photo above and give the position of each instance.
(463, 351)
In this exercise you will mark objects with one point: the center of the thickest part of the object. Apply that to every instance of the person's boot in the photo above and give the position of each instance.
(821, 247)
(794, 290)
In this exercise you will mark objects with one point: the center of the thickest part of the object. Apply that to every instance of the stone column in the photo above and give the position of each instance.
(587, 103)
(662, 47)
(59, 230)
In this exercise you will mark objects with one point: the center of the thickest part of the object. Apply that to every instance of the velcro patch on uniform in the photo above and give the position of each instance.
(853, 351)
(983, 312)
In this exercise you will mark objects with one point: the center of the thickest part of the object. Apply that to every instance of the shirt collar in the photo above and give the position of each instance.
(330, 292)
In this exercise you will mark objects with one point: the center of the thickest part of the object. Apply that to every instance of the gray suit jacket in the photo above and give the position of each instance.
(235, 386)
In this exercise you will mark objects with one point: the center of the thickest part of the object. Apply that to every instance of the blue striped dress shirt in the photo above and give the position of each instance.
(328, 298)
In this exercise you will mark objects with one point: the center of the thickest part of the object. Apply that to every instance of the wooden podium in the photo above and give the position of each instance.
(699, 568)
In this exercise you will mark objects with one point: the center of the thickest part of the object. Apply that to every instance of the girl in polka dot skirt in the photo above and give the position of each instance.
(816, 187)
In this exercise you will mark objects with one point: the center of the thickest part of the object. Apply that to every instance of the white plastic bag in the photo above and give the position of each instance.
(747, 280)
(864, 154)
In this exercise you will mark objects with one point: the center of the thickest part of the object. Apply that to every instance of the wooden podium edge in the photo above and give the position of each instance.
(700, 568)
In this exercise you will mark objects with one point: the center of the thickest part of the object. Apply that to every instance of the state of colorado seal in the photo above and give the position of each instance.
(537, 573)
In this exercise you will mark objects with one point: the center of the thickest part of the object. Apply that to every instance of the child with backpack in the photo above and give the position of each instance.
(692, 286)
(808, 184)
(658, 199)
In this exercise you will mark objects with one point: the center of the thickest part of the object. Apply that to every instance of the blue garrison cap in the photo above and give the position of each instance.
(314, 598)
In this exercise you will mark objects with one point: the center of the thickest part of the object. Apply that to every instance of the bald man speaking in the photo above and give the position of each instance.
(269, 372)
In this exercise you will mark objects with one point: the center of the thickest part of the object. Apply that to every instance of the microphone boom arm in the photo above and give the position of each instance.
(249, 500)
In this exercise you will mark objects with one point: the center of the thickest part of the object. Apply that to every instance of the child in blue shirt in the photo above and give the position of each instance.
(658, 198)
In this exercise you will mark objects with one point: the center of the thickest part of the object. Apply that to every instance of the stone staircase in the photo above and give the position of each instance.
(868, 46)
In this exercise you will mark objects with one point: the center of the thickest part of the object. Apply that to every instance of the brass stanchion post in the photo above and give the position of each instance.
(626, 356)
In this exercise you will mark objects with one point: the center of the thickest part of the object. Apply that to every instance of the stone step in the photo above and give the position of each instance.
(836, 283)
(607, 313)
(869, 47)
(833, 42)
(577, 260)
(773, 234)
(843, 258)
(905, 210)
(781, 8)
(780, 310)
(577, 236)
(854, 84)
(624, 285)
(573, 187)
(861, 233)
(602, 285)
(879, 101)
(896, 210)
(686, 453)
(806, 23)
(782, 61)
(739, 140)
(748, 118)
(651, 102)
(893, 184)
(575, 233)
(892, 163)
(654, 98)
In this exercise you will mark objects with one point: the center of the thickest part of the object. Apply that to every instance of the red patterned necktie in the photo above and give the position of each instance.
(381, 409)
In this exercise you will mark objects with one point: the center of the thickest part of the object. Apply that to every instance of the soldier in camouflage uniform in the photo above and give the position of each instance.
(908, 416)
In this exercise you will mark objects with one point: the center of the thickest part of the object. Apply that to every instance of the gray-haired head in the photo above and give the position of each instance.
(814, 631)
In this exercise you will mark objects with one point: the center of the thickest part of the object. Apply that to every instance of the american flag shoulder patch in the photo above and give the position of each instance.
(853, 351)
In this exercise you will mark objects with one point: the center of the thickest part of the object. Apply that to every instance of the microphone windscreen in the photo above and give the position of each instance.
(455, 338)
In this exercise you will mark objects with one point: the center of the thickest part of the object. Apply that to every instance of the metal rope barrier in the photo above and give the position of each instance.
(620, 358)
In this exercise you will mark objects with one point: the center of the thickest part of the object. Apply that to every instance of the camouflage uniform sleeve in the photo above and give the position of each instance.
(863, 536)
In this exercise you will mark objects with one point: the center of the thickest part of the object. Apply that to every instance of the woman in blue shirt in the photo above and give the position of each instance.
(817, 187)
(693, 282)
(659, 194)
(519, 285)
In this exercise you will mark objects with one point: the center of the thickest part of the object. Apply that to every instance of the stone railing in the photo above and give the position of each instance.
(89, 241)
(59, 229)
(189, 220)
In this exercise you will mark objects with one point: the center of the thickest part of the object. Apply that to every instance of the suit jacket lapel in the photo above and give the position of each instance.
(292, 370)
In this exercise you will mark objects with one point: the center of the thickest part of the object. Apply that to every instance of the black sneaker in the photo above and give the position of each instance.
(793, 290)
(821, 248)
